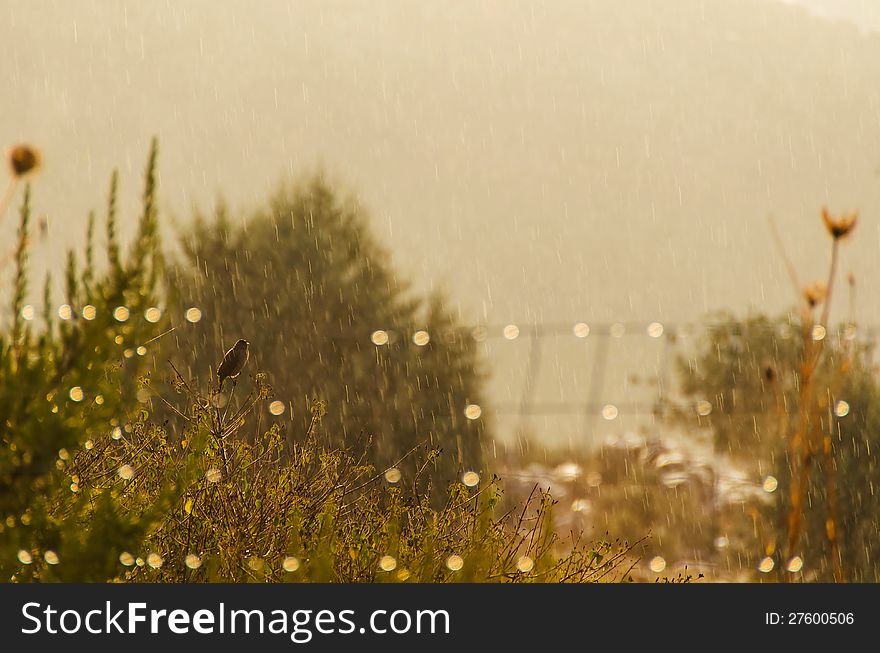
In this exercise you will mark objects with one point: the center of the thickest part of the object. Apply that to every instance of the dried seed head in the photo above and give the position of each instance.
(815, 293)
(23, 160)
(840, 226)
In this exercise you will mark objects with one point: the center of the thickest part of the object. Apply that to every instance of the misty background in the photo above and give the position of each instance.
(553, 163)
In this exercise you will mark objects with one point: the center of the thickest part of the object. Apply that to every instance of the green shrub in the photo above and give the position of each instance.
(67, 381)
(219, 508)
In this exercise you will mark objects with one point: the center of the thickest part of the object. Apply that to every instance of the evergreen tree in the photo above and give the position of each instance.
(308, 286)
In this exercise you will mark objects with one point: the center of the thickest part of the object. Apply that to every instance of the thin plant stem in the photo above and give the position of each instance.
(7, 196)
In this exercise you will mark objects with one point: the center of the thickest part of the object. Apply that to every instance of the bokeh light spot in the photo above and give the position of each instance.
(276, 407)
(525, 564)
(657, 564)
(473, 411)
(387, 563)
(471, 479)
(455, 562)
(610, 412)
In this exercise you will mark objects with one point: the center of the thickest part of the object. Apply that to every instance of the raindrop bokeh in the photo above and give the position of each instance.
(610, 412)
(276, 407)
(473, 411)
(525, 564)
(470, 479)
(387, 563)
(455, 562)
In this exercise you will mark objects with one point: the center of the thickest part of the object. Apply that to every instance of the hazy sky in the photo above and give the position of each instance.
(865, 14)
(550, 161)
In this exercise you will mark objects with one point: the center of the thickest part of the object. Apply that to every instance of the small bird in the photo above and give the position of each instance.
(233, 362)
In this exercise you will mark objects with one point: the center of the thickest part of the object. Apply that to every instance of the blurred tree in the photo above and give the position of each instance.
(742, 386)
(305, 282)
(65, 381)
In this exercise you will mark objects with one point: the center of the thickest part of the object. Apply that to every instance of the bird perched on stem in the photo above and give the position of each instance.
(233, 362)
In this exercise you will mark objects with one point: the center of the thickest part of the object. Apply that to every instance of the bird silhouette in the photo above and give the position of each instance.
(233, 362)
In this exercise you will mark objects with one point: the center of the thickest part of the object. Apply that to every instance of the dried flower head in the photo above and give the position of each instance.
(815, 293)
(840, 226)
(23, 160)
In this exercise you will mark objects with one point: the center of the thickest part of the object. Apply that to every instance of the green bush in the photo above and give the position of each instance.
(218, 508)
(69, 380)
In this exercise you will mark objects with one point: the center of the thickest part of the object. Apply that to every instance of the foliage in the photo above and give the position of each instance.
(108, 473)
(220, 508)
(750, 371)
(304, 281)
(70, 382)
